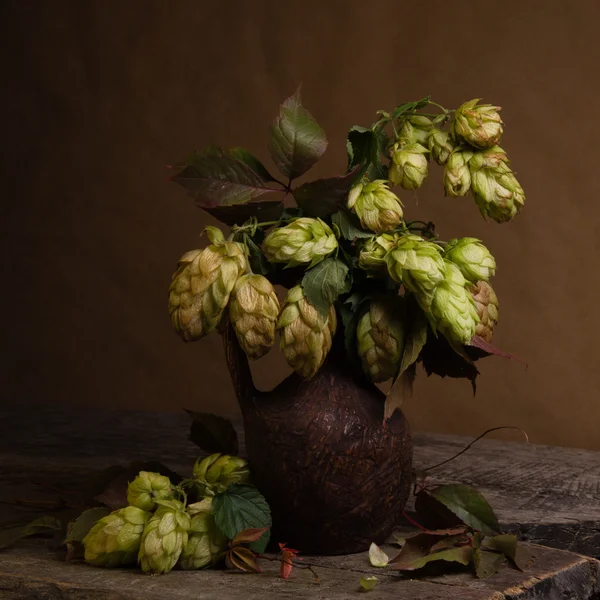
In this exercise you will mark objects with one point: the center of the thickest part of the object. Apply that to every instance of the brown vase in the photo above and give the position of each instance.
(335, 477)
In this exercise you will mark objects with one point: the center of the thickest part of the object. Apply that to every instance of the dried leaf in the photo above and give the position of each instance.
(469, 505)
(400, 391)
(510, 547)
(419, 545)
(461, 554)
(490, 349)
(368, 583)
(213, 433)
(487, 563)
(377, 556)
(248, 535)
(287, 556)
(242, 559)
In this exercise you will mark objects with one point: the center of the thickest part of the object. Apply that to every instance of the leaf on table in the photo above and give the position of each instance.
(460, 554)
(487, 563)
(297, 141)
(469, 505)
(242, 559)
(509, 546)
(322, 197)
(400, 391)
(368, 583)
(213, 433)
(377, 556)
(242, 507)
(217, 177)
(40, 526)
(325, 282)
(432, 513)
(287, 560)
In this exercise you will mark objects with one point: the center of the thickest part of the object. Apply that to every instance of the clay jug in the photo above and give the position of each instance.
(335, 476)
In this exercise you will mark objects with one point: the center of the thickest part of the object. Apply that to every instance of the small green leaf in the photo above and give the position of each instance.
(242, 507)
(213, 433)
(349, 225)
(368, 583)
(377, 556)
(322, 197)
(487, 563)
(325, 282)
(216, 177)
(469, 505)
(297, 142)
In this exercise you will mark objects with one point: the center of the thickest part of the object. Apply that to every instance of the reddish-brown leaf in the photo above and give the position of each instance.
(242, 559)
(248, 536)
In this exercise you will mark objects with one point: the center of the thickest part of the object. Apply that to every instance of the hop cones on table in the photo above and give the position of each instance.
(380, 336)
(217, 472)
(164, 537)
(305, 335)
(114, 541)
(376, 206)
(486, 305)
(253, 310)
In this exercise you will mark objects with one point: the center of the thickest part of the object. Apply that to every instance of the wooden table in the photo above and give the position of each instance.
(548, 495)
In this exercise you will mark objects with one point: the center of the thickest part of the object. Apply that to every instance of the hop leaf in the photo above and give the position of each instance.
(217, 472)
(201, 286)
(305, 335)
(409, 165)
(375, 205)
(473, 259)
(486, 305)
(304, 241)
(114, 540)
(478, 125)
(253, 310)
(148, 487)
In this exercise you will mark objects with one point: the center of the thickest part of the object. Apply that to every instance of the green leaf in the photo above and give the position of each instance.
(297, 141)
(267, 210)
(217, 177)
(487, 563)
(322, 197)
(80, 527)
(509, 546)
(242, 507)
(213, 433)
(368, 583)
(248, 158)
(325, 282)
(460, 554)
(377, 557)
(401, 109)
(43, 525)
(469, 505)
(349, 225)
(258, 261)
(364, 148)
(400, 391)
(416, 337)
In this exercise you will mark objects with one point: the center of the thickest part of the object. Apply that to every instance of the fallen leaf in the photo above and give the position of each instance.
(287, 556)
(377, 556)
(487, 563)
(368, 583)
(510, 547)
(461, 554)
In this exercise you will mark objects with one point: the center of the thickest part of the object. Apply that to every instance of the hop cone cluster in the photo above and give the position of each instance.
(409, 165)
(375, 205)
(147, 488)
(205, 542)
(114, 540)
(496, 190)
(453, 309)
(478, 125)
(418, 265)
(304, 241)
(253, 310)
(473, 259)
(380, 337)
(440, 145)
(164, 537)
(457, 177)
(372, 253)
(217, 472)
(201, 286)
(486, 305)
(305, 336)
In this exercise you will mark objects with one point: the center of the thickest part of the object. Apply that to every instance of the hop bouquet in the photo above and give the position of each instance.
(346, 252)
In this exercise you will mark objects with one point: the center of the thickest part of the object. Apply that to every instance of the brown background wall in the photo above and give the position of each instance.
(101, 95)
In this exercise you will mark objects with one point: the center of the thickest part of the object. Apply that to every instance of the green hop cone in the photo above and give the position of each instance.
(164, 538)
(418, 265)
(453, 310)
(380, 335)
(478, 125)
(200, 288)
(304, 241)
(205, 543)
(114, 540)
(416, 129)
(375, 205)
(486, 304)
(372, 253)
(440, 145)
(473, 259)
(409, 165)
(253, 310)
(496, 190)
(148, 487)
(217, 472)
(305, 336)
(457, 177)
